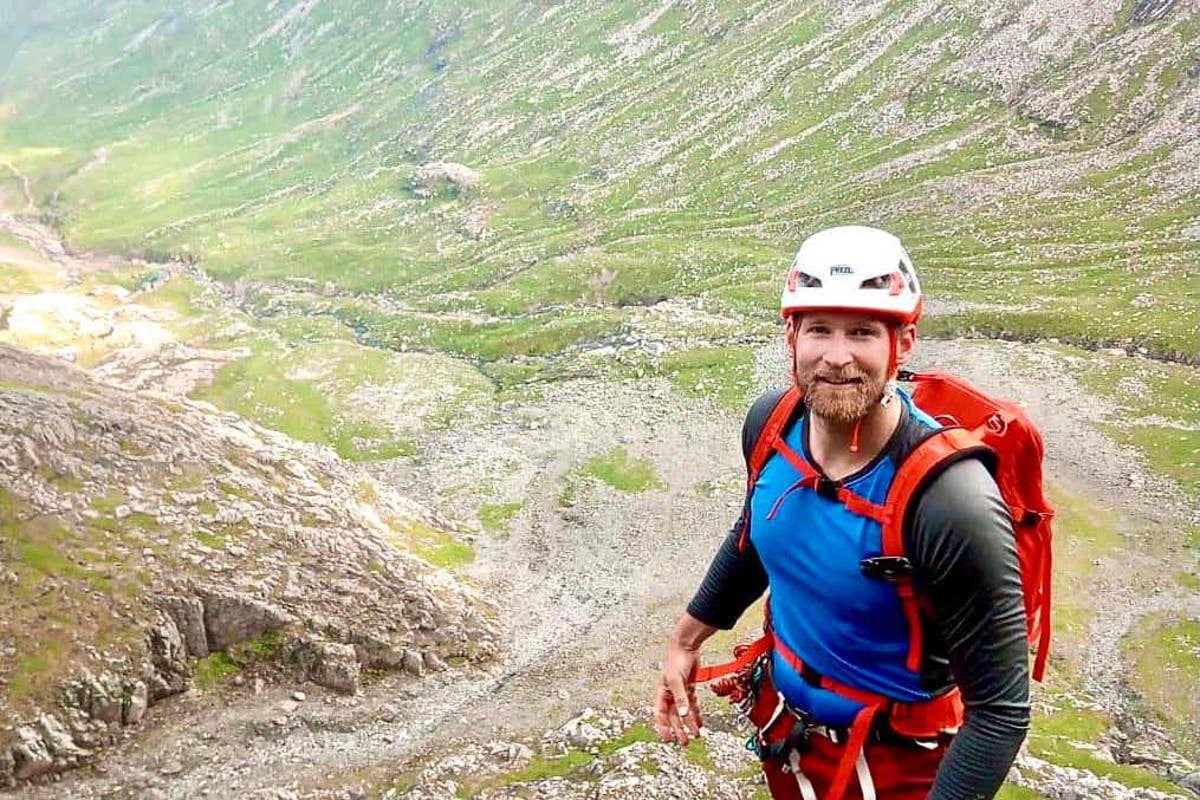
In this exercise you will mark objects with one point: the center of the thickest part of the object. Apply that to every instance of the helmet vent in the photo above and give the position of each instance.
(908, 276)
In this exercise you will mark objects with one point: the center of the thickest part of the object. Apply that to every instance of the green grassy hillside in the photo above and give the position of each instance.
(1037, 157)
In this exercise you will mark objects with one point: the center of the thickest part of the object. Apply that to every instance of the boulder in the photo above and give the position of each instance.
(168, 668)
(329, 664)
(230, 619)
(30, 755)
(188, 614)
(430, 178)
(137, 700)
(58, 742)
(414, 663)
(99, 697)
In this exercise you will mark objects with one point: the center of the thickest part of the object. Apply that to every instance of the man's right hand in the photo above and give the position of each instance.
(676, 712)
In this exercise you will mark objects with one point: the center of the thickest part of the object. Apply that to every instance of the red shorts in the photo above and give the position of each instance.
(896, 771)
(803, 768)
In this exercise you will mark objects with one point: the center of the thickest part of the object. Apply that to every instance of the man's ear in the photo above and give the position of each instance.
(906, 342)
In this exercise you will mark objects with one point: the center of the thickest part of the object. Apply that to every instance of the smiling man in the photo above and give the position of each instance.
(856, 693)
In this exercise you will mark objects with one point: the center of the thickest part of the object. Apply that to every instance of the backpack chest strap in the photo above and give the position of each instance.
(831, 490)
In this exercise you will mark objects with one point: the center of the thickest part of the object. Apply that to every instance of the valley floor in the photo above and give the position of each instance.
(590, 579)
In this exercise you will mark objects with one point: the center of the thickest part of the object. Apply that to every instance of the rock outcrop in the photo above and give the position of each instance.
(438, 177)
(140, 534)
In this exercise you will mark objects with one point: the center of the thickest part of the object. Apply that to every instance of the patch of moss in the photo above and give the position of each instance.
(191, 478)
(265, 648)
(142, 520)
(1064, 737)
(725, 374)
(214, 540)
(364, 492)
(32, 669)
(68, 484)
(215, 667)
(621, 472)
(637, 732)
(109, 502)
(234, 490)
(47, 559)
(494, 517)
(212, 669)
(437, 547)
(543, 768)
(1164, 652)
(697, 753)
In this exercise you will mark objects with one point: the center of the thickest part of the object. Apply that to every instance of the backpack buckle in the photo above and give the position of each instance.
(826, 488)
(888, 568)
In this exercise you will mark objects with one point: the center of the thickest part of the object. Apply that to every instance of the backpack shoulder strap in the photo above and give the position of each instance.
(765, 423)
(757, 419)
(772, 427)
(924, 463)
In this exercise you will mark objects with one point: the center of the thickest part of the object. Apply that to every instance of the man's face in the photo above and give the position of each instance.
(841, 361)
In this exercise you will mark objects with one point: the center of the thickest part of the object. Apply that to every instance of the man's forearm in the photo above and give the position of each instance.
(690, 633)
(980, 756)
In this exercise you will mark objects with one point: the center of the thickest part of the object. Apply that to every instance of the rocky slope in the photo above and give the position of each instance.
(506, 157)
(142, 534)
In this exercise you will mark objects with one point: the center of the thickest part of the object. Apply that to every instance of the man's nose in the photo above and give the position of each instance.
(837, 354)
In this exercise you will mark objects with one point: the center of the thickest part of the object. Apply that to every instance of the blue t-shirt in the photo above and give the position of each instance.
(847, 626)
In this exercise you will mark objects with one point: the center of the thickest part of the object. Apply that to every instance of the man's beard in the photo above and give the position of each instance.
(840, 404)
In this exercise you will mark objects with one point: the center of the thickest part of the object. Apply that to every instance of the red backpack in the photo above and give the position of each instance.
(973, 421)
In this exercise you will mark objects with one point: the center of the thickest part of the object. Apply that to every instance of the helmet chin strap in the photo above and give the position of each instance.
(889, 390)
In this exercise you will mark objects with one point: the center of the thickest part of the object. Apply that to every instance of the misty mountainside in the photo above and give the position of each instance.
(540, 164)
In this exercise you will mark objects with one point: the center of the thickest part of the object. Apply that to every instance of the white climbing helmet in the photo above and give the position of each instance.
(853, 268)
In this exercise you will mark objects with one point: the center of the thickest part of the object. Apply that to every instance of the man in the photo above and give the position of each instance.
(841, 655)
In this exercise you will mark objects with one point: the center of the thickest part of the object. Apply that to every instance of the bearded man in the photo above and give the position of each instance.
(846, 707)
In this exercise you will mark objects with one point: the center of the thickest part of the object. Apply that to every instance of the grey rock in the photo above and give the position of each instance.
(168, 658)
(30, 755)
(230, 619)
(97, 696)
(137, 700)
(332, 665)
(188, 613)
(58, 742)
(1190, 781)
(434, 662)
(413, 663)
